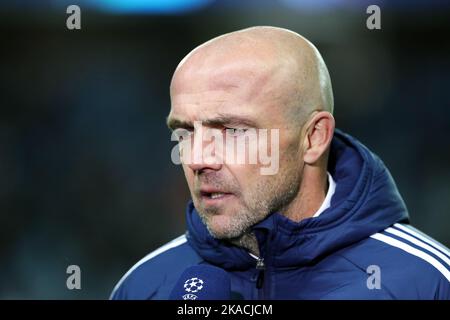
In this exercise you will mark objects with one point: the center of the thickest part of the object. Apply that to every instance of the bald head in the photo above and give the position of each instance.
(278, 63)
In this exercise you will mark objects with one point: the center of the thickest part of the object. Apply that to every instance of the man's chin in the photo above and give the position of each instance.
(220, 227)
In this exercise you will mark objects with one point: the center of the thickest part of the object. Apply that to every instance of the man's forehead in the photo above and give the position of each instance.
(257, 104)
(222, 75)
(228, 87)
(218, 119)
(213, 103)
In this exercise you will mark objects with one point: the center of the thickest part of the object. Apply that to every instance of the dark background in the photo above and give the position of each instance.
(85, 170)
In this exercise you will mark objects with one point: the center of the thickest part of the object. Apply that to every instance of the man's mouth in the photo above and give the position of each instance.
(214, 196)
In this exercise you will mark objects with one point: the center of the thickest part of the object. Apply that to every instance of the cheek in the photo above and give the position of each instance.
(291, 159)
(189, 174)
(290, 148)
(243, 175)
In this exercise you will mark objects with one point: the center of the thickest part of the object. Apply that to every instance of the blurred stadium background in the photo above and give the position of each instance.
(86, 176)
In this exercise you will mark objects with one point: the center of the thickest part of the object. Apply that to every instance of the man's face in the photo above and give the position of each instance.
(234, 99)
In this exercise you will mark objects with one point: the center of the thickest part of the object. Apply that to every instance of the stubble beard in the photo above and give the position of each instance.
(265, 198)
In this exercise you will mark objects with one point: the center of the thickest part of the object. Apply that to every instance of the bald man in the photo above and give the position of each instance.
(328, 223)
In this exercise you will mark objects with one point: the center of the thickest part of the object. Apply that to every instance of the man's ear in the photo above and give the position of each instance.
(319, 133)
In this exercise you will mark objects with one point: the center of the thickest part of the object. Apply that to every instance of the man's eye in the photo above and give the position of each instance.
(183, 134)
(186, 136)
(236, 131)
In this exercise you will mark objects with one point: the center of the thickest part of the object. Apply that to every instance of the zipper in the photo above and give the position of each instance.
(262, 276)
(261, 267)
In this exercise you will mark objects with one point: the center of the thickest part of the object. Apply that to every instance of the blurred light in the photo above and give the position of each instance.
(320, 5)
(313, 4)
(148, 6)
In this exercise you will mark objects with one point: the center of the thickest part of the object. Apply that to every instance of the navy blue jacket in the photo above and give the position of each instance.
(361, 247)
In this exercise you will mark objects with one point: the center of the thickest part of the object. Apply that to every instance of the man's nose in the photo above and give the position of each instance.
(205, 153)
(202, 166)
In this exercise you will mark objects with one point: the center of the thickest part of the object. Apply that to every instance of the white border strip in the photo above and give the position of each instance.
(172, 244)
(419, 243)
(405, 247)
(415, 233)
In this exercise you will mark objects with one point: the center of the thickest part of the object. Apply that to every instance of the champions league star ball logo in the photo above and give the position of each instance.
(192, 286)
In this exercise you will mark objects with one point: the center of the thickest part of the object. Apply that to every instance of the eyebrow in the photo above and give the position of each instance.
(221, 120)
(174, 123)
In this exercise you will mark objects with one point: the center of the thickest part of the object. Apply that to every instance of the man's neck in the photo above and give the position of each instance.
(247, 241)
